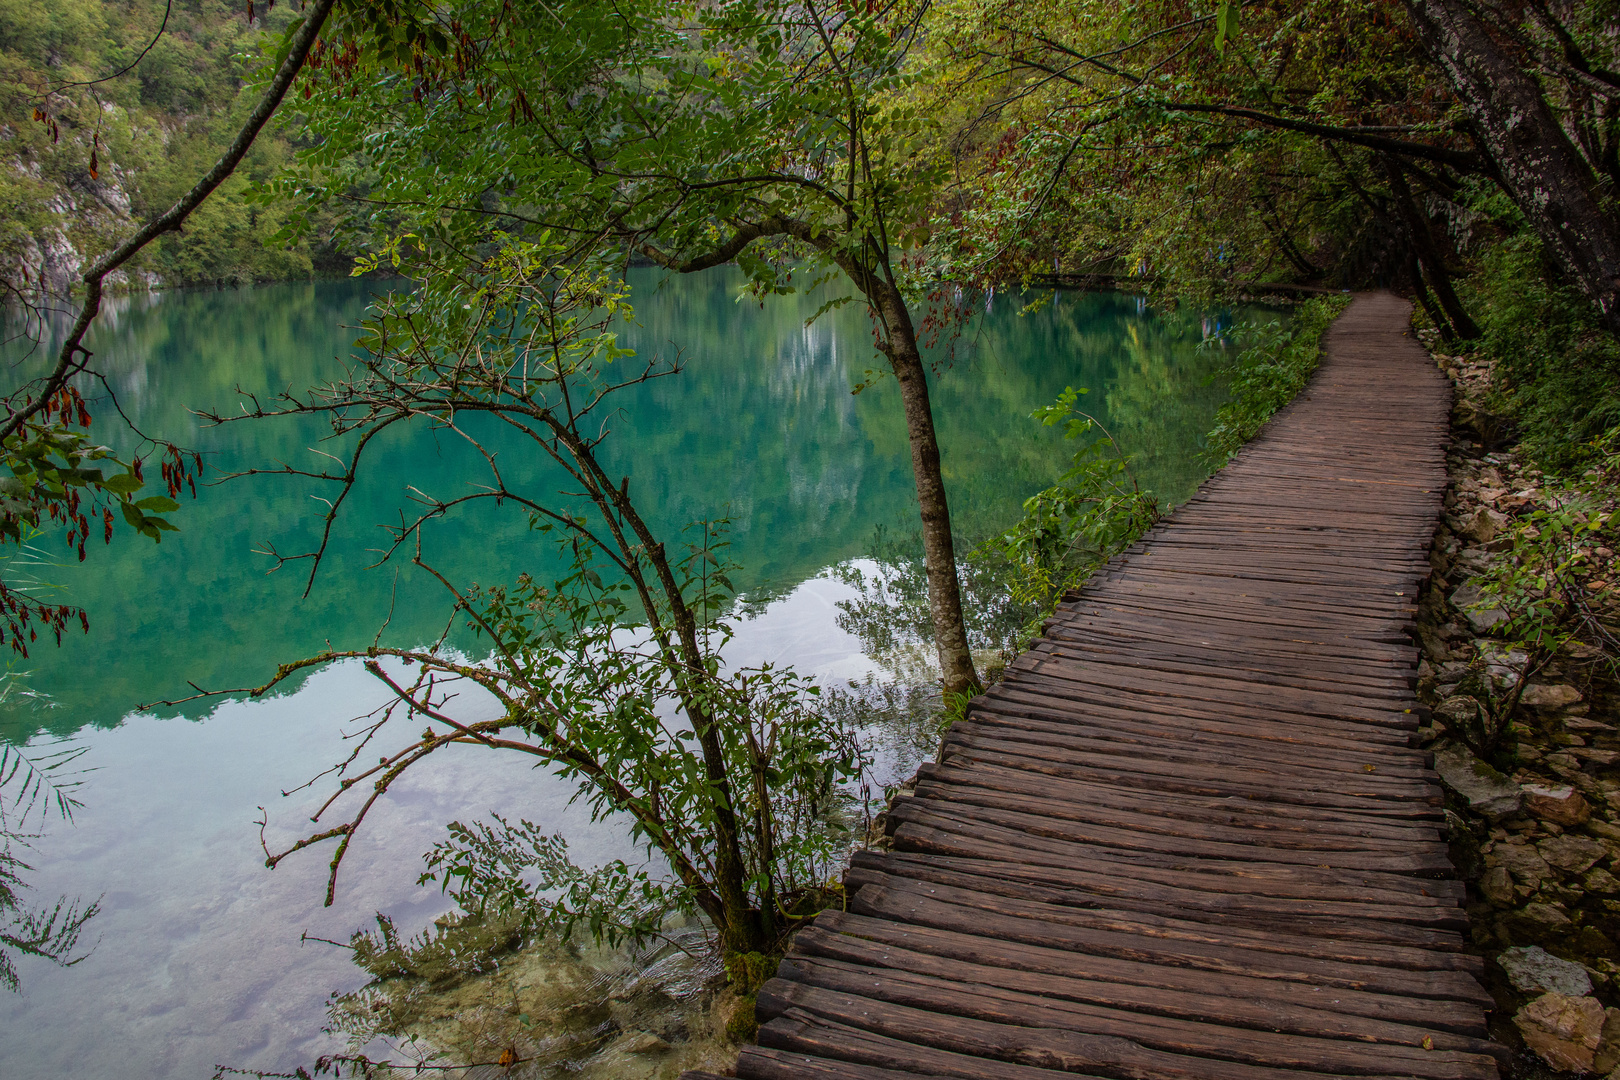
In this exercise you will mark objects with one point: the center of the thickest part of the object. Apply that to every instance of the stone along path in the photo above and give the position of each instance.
(1188, 835)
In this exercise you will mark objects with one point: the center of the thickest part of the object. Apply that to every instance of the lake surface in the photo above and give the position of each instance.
(198, 959)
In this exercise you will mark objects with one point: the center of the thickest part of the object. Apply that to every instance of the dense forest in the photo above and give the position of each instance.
(1320, 145)
(141, 99)
(911, 160)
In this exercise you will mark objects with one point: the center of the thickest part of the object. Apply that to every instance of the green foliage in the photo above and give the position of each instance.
(1555, 370)
(523, 874)
(891, 618)
(1555, 599)
(445, 954)
(1151, 142)
(1093, 512)
(611, 674)
(1274, 366)
(60, 478)
(84, 162)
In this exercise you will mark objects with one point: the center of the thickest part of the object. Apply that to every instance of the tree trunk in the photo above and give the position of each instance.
(900, 346)
(1558, 191)
(939, 552)
(1428, 253)
(1436, 316)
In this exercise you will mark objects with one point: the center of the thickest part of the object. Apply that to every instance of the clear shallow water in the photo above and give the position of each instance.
(199, 961)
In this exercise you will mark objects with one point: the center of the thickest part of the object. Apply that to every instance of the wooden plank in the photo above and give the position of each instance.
(1248, 813)
(1187, 836)
(1241, 879)
(1070, 1051)
(1463, 1018)
(955, 996)
(1327, 946)
(1035, 806)
(1181, 743)
(1390, 923)
(1431, 861)
(1126, 772)
(1292, 1015)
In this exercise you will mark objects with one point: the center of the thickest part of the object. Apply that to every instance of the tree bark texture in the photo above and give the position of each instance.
(1571, 208)
(939, 552)
(905, 360)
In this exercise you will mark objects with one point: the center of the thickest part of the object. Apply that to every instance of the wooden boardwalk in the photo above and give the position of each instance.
(1187, 836)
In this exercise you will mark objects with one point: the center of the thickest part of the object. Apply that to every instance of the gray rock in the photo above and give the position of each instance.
(1571, 854)
(1599, 880)
(1458, 712)
(1534, 970)
(1481, 619)
(1487, 791)
(1496, 885)
(1539, 921)
(1549, 696)
(1483, 524)
(1523, 861)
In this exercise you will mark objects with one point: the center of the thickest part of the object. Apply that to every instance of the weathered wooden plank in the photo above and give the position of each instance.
(1389, 923)
(1038, 829)
(1292, 1015)
(1071, 1051)
(1328, 946)
(1151, 1030)
(1187, 836)
(1463, 1018)
(1246, 813)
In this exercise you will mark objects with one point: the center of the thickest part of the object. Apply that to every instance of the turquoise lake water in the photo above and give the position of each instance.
(198, 961)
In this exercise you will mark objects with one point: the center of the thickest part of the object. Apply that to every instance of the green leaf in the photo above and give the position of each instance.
(1226, 25)
(159, 504)
(123, 484)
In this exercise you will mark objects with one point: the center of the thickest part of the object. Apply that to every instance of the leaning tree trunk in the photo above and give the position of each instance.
(899, 345)
(1540, 168)
(939, 552)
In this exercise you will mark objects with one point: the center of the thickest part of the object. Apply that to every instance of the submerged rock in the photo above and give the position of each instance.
(643, 1042)
(1534, 970)
(1487, 791)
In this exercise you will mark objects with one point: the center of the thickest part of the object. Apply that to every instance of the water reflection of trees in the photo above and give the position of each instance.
(803, 467)
(35, 785)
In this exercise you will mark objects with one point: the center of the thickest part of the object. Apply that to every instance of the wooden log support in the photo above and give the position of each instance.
(1187, 835)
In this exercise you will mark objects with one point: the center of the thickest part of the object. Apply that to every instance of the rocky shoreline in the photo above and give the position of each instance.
(1533, 814)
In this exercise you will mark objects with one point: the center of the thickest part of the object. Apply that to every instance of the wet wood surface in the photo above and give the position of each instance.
(1188, 835)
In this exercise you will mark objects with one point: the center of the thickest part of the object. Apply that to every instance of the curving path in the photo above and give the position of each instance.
(1187, 836)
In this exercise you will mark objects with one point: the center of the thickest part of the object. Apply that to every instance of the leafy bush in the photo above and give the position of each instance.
(1557, 373)
(1093, 512)
(1554, 589)
(610, 675)
(1274, 366)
